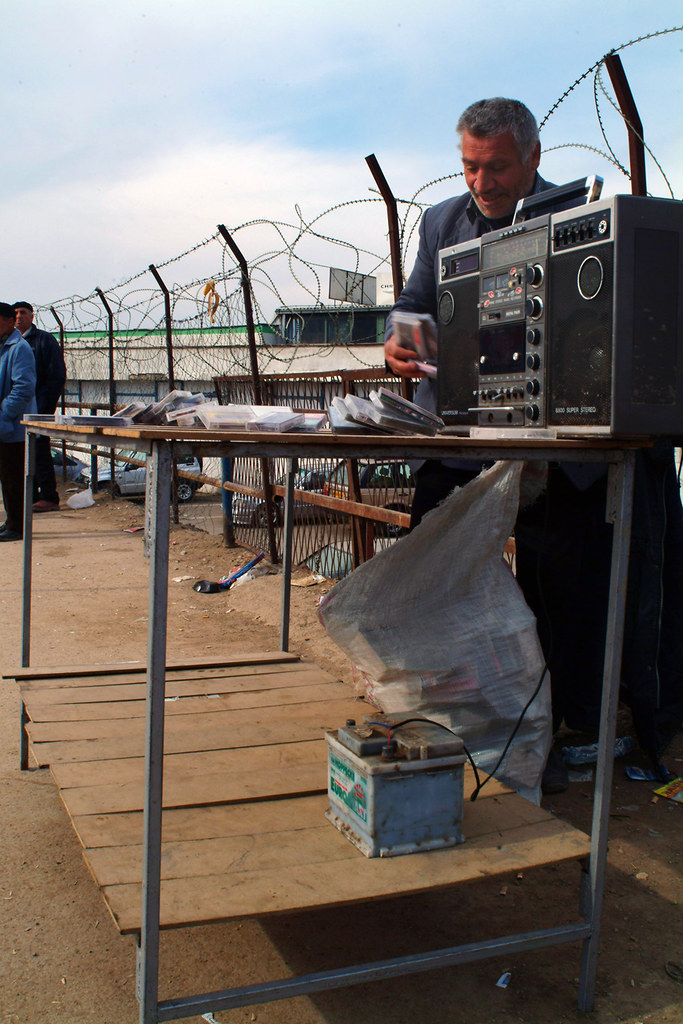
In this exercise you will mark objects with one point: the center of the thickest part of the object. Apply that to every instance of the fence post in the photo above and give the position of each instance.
(394, 244)
(112, 389)
(258, 398)
(627, 106)
(171, 376)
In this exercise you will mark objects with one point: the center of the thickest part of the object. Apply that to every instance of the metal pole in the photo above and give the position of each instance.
(394, 243)
(112, 391)
(620, 491)
(392, 215)
(167, 322)
(171, 376)
(627, 105)
(248, 310)
(292, 465)
(148, 950)
(256, 379)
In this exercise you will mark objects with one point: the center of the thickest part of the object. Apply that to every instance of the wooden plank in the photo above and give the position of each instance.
(96, 830)
(115, 865)
(188, 739)
(132, 769)
(239, 672)
(219, 821)
(200, 790)
(246, 683)
(60, 671)
(71, 712)
(218, 722)
(318, 883)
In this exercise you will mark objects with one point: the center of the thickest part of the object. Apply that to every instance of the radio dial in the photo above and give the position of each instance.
(533, 360)
(533, 386)
(533, 412)
(534, 274)
(534, 307)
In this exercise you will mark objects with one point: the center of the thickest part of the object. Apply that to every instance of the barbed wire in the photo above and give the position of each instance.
(288, 263)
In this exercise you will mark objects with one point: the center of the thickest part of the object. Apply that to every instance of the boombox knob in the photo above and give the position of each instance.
(534, 274)
(533, 387)
(534, 307)
(533, 336)
(532, 412)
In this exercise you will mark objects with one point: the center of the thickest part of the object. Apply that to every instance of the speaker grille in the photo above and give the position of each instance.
(579, 341)
(458, 351)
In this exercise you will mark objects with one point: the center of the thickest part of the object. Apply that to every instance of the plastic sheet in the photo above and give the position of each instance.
(436, 625)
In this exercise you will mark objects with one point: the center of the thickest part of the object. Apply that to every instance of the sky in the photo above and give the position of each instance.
(132, 129)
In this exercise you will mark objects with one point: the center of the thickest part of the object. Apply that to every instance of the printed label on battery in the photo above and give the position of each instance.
(348, 787)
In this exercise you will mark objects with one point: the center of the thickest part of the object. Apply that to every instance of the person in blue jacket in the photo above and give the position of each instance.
(17, 397)
(50, 378)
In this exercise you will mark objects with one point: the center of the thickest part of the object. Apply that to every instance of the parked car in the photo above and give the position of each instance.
(248, 510)
(130, 478)
(384, 484)
(74, 468)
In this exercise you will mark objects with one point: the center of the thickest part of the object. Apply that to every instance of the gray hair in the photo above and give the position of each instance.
(497, 116)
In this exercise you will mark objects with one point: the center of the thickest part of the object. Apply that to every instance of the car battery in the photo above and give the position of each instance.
(395, 785)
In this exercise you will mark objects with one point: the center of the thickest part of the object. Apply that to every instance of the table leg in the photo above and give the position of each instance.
(620, 489)
(29, 470)
(287, 553)
(148, 949)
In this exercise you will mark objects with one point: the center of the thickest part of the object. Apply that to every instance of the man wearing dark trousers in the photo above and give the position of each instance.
(563, 541)
(51, 374)
(17, 397)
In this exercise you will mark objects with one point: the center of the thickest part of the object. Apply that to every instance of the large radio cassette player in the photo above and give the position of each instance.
(570, 321)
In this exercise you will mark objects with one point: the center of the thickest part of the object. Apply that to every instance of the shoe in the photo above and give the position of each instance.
(10, 535)
(3, 527)
(45, 506)
(555, 778)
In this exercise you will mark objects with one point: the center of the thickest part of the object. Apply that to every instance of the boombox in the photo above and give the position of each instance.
(571, 321)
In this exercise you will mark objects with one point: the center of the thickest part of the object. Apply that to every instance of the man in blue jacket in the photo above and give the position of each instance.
(17, 397)
(50, 377)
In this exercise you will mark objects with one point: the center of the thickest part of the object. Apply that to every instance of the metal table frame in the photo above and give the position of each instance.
(162, 446)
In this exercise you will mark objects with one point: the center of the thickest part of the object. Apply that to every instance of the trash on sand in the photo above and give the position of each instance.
(83, 499)
(209, 587)
(306, 579)
(132, 529)
(182, 579)
(588, 754)
(504, 980)
(672, 790)
(660, 774)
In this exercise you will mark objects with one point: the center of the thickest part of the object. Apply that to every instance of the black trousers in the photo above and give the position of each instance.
(44, 481)
(12, 480)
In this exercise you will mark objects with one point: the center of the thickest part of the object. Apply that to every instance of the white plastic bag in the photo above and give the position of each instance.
(436, 625)
(82, 499)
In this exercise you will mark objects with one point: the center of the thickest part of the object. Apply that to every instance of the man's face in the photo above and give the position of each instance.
(6, 326)
(24, 319)
(495, 174)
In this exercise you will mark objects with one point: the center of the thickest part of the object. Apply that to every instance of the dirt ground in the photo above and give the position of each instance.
(62, 960)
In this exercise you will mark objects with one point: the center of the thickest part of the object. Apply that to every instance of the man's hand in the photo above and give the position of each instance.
(401, 360)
